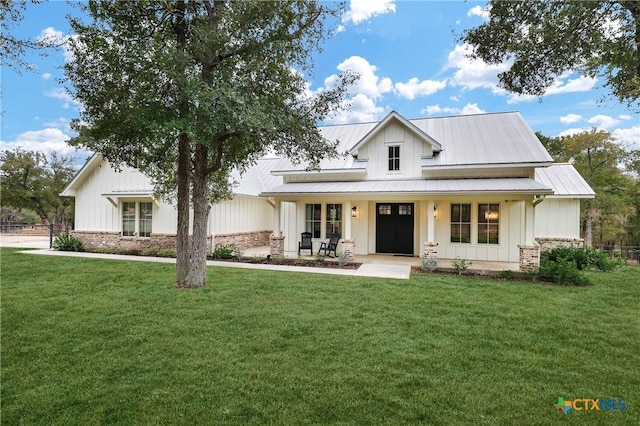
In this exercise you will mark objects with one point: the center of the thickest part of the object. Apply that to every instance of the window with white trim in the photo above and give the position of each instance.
(137, 218)
(313, 219)
(334, 220)
(461, 223)
(394, 158)
(488, 223)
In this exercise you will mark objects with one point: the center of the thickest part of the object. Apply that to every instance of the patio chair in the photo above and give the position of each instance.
(331, 246)
(305, 243)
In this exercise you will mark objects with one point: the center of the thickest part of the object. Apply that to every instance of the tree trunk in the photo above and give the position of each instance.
(197, 276)
(184, 162)
(588, 239)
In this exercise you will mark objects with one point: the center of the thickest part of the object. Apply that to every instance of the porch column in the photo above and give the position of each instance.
(529, 251)
(431, 222)
(348, 243)
(347, 222)
(276, 241)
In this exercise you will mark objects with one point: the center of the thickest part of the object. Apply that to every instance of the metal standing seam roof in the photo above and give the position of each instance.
(496, 138)
(414, 186)
(565, 181)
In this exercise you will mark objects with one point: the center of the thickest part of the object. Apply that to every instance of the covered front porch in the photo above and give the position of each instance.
(382, 259)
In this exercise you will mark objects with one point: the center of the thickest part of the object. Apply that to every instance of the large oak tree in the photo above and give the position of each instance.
(188, 90)
(545, 39)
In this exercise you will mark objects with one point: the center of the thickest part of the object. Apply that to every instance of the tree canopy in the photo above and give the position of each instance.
(188, 90)
(601, 161)
(33, 180)
(545, 39)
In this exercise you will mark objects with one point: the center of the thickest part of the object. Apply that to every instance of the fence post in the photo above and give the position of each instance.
(50, 235)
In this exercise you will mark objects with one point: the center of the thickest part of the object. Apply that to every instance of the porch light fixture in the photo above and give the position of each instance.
(491, 215)
(354, 211)
(435, 212)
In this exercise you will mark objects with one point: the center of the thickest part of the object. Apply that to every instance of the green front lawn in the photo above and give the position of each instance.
(106, 342)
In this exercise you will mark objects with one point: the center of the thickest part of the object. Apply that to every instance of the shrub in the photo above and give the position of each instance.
(561, 271)
(507, 274)
(166, 253)
(461, 265)
(343, 258)
(66, 242)
(320, 257)
(225, 251)
(429, 264)
(584, 258)
(151, 251)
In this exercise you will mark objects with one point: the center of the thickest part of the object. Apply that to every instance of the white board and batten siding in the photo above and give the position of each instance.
(412, 149)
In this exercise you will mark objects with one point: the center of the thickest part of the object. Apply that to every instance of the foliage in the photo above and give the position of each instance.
(343, 258)
(584, 258)
(33, 180)
(225, 251)
(542, 40)
(460, 265)
(598, 158)
(187, 91)
(12, 48)
(561, 271)
(92, 341)
(429, 264)
(152, 251)
(66, 242)
(320, 257)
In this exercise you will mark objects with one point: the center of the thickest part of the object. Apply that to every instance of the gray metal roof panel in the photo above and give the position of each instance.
(414, 186)
(565, 181)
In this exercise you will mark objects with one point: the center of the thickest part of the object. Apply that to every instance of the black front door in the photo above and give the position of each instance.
(394, 228)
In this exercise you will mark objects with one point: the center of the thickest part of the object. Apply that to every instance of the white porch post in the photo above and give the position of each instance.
(347, 222)
(276, 218)
(348, 243)
(431, 222)
(430, 247)
(276, 242)
(530, 250)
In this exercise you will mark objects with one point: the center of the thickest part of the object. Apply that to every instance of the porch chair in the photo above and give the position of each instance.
(305, 243)
(331, 246)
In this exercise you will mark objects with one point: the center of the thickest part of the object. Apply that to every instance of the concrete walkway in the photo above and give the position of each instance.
(378, 270)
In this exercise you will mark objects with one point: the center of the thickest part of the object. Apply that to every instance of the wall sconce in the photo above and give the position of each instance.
(435, 212)
(491, 215)
(354, 211)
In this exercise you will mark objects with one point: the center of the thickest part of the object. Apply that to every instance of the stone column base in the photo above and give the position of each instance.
(349, 247)
(276, 245)
(529, 258)
(430, 250)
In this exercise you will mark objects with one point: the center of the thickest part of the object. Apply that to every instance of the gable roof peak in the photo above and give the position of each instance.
(394, 115)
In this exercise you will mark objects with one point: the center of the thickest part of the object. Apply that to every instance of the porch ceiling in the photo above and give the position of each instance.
(415, 187)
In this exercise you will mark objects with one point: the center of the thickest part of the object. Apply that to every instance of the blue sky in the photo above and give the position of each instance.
(408, 56)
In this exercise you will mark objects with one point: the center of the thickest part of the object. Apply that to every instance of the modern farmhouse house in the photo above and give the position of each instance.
(478, 187)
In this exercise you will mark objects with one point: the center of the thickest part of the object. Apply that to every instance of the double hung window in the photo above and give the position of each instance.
(137, 218)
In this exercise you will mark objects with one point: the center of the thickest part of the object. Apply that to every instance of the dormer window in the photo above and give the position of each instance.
(394, 158)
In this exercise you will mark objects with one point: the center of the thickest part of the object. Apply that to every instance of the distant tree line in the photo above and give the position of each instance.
(613, 171)
(31, 182)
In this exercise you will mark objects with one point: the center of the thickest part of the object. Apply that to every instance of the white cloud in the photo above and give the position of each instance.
(65, 97)
(47, 140)
(415, 87)
(468, 109)
(473, 74)
(624, 117)
(604, 121)
(571, 132)
(363, 109)
(369, 83)
(480, 11)
(570, 118)
(46, 76)
(52, 37)
(628, 137)
(361, 10)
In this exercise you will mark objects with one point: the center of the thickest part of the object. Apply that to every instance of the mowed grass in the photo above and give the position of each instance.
(111, 342)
